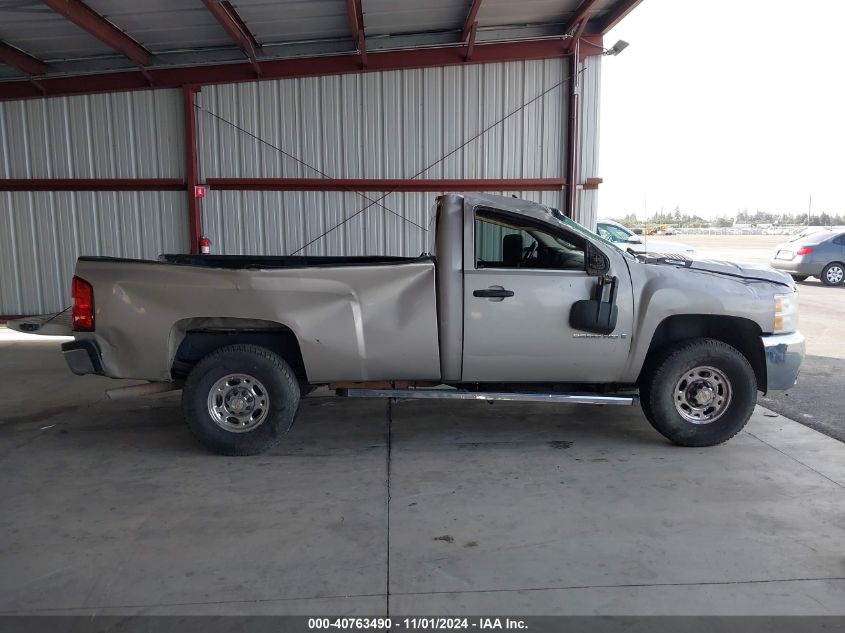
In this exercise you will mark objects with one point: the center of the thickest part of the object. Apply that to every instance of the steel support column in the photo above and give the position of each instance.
(573, 133)
(191, 167)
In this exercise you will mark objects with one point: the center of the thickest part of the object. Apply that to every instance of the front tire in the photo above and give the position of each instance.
(700, 394)
(800, 277)
(240, 400)
(833, 274)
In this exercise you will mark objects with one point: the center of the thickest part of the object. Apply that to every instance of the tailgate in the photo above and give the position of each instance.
(57, 324)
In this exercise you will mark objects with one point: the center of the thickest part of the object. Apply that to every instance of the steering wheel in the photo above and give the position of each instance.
(529, 252)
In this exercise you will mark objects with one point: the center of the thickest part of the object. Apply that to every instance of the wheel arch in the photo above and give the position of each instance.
(194, 338)
(738, 332)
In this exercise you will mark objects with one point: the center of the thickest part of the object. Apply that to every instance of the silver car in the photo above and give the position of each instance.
(820, 254)
(627, 240)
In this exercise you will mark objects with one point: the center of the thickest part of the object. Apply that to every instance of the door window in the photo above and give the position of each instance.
(503, 240)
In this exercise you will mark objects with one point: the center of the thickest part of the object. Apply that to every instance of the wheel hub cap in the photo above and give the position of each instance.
(238, 403)
(702, 395)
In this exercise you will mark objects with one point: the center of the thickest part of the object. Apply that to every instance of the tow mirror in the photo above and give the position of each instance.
(597, 315)
(597, 263)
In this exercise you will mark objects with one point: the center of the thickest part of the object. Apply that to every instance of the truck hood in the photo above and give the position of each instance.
(750, 272)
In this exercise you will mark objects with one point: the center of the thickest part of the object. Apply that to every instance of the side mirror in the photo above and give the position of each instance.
(633, 239)
(596, 264)
(597, 315)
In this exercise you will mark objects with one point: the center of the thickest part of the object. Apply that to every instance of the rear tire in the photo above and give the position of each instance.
(833, 274)
(800, 277)
(240, 400)
(702, 393)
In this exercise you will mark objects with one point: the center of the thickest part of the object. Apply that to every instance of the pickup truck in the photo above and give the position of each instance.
(515, 301)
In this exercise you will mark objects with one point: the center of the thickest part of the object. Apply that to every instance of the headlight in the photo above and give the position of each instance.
(786, 313)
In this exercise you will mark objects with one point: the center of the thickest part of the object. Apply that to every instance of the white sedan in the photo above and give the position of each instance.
(627, 240)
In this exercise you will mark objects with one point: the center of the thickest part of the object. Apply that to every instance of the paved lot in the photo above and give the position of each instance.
(424, 507)
(818, 400)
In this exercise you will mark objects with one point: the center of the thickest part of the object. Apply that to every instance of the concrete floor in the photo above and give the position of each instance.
(419, 508)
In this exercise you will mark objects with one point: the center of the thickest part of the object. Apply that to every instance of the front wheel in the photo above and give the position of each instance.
(700, 394)
(240, 400)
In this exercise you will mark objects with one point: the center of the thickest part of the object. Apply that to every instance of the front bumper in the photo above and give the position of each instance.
(83, 357)
(784, 355)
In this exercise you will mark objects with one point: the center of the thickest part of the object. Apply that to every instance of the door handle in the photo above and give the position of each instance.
(491, 293)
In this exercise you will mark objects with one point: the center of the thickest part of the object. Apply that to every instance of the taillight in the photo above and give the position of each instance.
(804, 250)
(83, 305)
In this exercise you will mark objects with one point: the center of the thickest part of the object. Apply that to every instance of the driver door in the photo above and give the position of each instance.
(521, 277)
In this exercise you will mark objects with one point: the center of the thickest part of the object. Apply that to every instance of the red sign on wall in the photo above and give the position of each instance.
(199, 191)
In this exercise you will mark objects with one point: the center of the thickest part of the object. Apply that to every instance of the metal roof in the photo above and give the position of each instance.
(98, 36)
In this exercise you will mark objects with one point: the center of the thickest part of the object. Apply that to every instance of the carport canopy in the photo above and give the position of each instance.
(51, 47)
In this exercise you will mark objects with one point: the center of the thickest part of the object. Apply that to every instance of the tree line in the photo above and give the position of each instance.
(679, 218)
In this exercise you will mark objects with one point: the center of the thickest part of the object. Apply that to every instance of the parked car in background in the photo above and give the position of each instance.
(627, 240)
(819, 253)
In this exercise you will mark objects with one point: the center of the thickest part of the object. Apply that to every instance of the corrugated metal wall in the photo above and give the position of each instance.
(115, 135)
(374, 125)
(118, 135)
(42, 234)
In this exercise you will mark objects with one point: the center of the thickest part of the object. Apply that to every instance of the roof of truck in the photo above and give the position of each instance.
(515, 205)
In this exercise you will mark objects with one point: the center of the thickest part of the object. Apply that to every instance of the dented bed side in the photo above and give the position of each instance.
(366, 322)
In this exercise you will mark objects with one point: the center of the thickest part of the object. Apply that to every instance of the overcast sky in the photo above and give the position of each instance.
(722, 105)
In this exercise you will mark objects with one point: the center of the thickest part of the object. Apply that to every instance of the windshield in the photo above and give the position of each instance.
(613, 233)
(560, 217)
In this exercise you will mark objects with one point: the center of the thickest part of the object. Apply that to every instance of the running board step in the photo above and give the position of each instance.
(489, 396)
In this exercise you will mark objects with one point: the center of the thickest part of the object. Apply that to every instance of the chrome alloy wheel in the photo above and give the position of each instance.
(702, 395)
(238, 403)
(835, 274)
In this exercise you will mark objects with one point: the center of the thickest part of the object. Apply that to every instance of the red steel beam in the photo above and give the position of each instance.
(355, 14)
(191, 167)
(470, 19)
(225, 14)
(616, 14)
(89, 20)
(287, 68)
(24, 62)
(580, 17)
(92, 184)
(389, 184)
(573, 134)
(576, 36)
(471, 41)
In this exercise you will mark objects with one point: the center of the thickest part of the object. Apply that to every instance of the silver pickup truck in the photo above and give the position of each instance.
(514, 302)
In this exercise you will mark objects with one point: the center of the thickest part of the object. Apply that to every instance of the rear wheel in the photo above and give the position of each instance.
(833, 274)
(800, 277)
(240, 400)
(700, 394)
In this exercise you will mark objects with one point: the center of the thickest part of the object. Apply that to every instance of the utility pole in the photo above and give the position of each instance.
(809, 209)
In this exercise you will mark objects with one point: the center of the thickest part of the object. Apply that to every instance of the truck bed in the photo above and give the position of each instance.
(355, 318)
